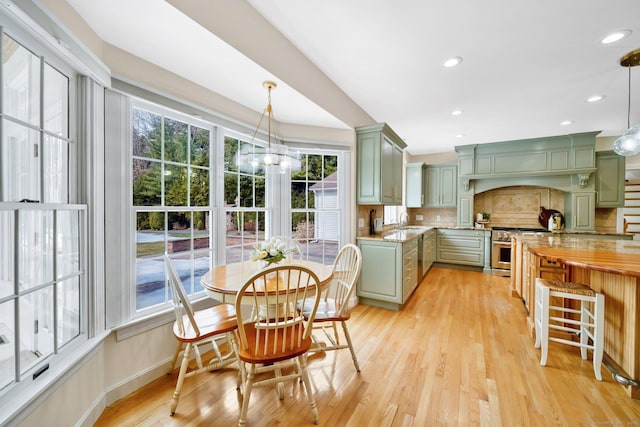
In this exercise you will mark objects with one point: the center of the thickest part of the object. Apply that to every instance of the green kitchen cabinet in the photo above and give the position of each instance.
(389, 272)
(609, 179)
(416, 185)
(461, 247)
(379, 165)
(442, 185)
(428, 250)
(580, 211)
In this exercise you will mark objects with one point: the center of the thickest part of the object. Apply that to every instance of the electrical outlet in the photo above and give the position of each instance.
(419, 217)
(360, 222)
(437, 217)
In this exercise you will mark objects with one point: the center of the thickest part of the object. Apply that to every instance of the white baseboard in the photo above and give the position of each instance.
(122, 389)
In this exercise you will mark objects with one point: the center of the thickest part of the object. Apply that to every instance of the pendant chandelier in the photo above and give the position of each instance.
(629, 143)
(275, 156)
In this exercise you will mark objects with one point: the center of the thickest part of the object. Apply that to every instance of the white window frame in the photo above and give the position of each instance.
(84, 137)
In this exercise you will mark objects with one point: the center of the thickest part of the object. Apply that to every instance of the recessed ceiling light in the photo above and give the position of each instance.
(456, 112)
(452, 62)
(614, 37)
(460, 135)
(566, 122)
(595, 98)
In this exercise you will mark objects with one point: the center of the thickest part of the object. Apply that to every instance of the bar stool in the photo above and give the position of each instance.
(590, 325)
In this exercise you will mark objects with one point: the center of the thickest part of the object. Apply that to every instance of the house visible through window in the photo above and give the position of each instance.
(315, 207)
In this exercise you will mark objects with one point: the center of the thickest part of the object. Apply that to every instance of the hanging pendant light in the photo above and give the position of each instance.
(629, 142)
(272, 156)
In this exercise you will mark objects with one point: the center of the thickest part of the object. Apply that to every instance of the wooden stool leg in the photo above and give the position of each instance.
(584, 335)
(544, 325)
(598, 338)
(537, 313)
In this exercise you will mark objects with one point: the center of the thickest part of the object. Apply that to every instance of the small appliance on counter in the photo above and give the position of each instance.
(556, 222)
(378, 225)
(372, 218)
(552, 219)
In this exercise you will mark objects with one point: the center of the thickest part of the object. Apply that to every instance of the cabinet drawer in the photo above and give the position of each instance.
(460, 257)
(547, 263)
(461, 242)
(411, 245)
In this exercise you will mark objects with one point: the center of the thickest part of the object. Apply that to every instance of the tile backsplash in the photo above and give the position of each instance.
(516, 206)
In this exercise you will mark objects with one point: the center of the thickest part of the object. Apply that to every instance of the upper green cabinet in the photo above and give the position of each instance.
(379, 164)
(416, 185)
(609, 180)
(442, 185)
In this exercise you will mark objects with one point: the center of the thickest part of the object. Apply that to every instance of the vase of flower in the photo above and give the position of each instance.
(270, 252)
(264, 263)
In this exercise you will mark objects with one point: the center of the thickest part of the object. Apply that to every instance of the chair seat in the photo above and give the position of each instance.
(273, 354)
(327, 311)
(568, 287)
(212, 321)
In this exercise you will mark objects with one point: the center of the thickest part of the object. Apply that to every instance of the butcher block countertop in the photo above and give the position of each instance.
(611, 267)
(611, 256)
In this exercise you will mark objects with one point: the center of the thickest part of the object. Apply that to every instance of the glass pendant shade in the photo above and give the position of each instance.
(629, 143)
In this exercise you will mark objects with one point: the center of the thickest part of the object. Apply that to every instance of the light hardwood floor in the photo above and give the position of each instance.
(458, 354)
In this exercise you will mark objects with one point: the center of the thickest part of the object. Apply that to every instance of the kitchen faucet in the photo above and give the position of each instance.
(404, 217)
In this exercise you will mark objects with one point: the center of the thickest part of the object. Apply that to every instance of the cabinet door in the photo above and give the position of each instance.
(397, 175)
(387, 173)
(448, 186)
(609, 180)
(381, 274)
(433, 187)
(369, 178)
(415, 185)
(583, 209)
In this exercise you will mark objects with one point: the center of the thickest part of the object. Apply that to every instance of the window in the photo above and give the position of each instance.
(171, 170)
(244, 203)
(315, 207)
(42, 259)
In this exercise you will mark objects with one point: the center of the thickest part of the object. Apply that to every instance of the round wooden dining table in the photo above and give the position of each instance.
(223, 282)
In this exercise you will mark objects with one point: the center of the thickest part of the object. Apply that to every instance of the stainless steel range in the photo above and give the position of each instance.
(501, 247)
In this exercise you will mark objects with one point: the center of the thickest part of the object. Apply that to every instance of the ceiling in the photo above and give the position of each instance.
(527, 65)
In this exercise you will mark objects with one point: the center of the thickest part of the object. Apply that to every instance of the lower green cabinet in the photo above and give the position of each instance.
(389, 272)
(463, 247)
(428, 251)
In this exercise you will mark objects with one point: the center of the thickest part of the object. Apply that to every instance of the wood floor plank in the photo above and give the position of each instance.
(458, 354)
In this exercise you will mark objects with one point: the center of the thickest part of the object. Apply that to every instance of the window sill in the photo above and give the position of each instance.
(23, 398)
(155, 320)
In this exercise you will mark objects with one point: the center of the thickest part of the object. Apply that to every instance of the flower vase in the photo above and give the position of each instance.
(264, 263)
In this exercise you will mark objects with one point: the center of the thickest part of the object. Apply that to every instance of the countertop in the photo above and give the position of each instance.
(613, 256)
(398, 235)
(409, 232)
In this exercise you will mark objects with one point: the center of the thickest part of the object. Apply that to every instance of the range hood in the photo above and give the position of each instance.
(566, 163)
(562, 162)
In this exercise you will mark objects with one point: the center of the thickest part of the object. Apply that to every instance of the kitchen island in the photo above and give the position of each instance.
(608, 266)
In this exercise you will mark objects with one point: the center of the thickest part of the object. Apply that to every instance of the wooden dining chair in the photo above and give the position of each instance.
(274, 339)
(335, 304)
(196, 328)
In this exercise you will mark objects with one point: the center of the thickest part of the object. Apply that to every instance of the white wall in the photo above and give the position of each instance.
(115, 370)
